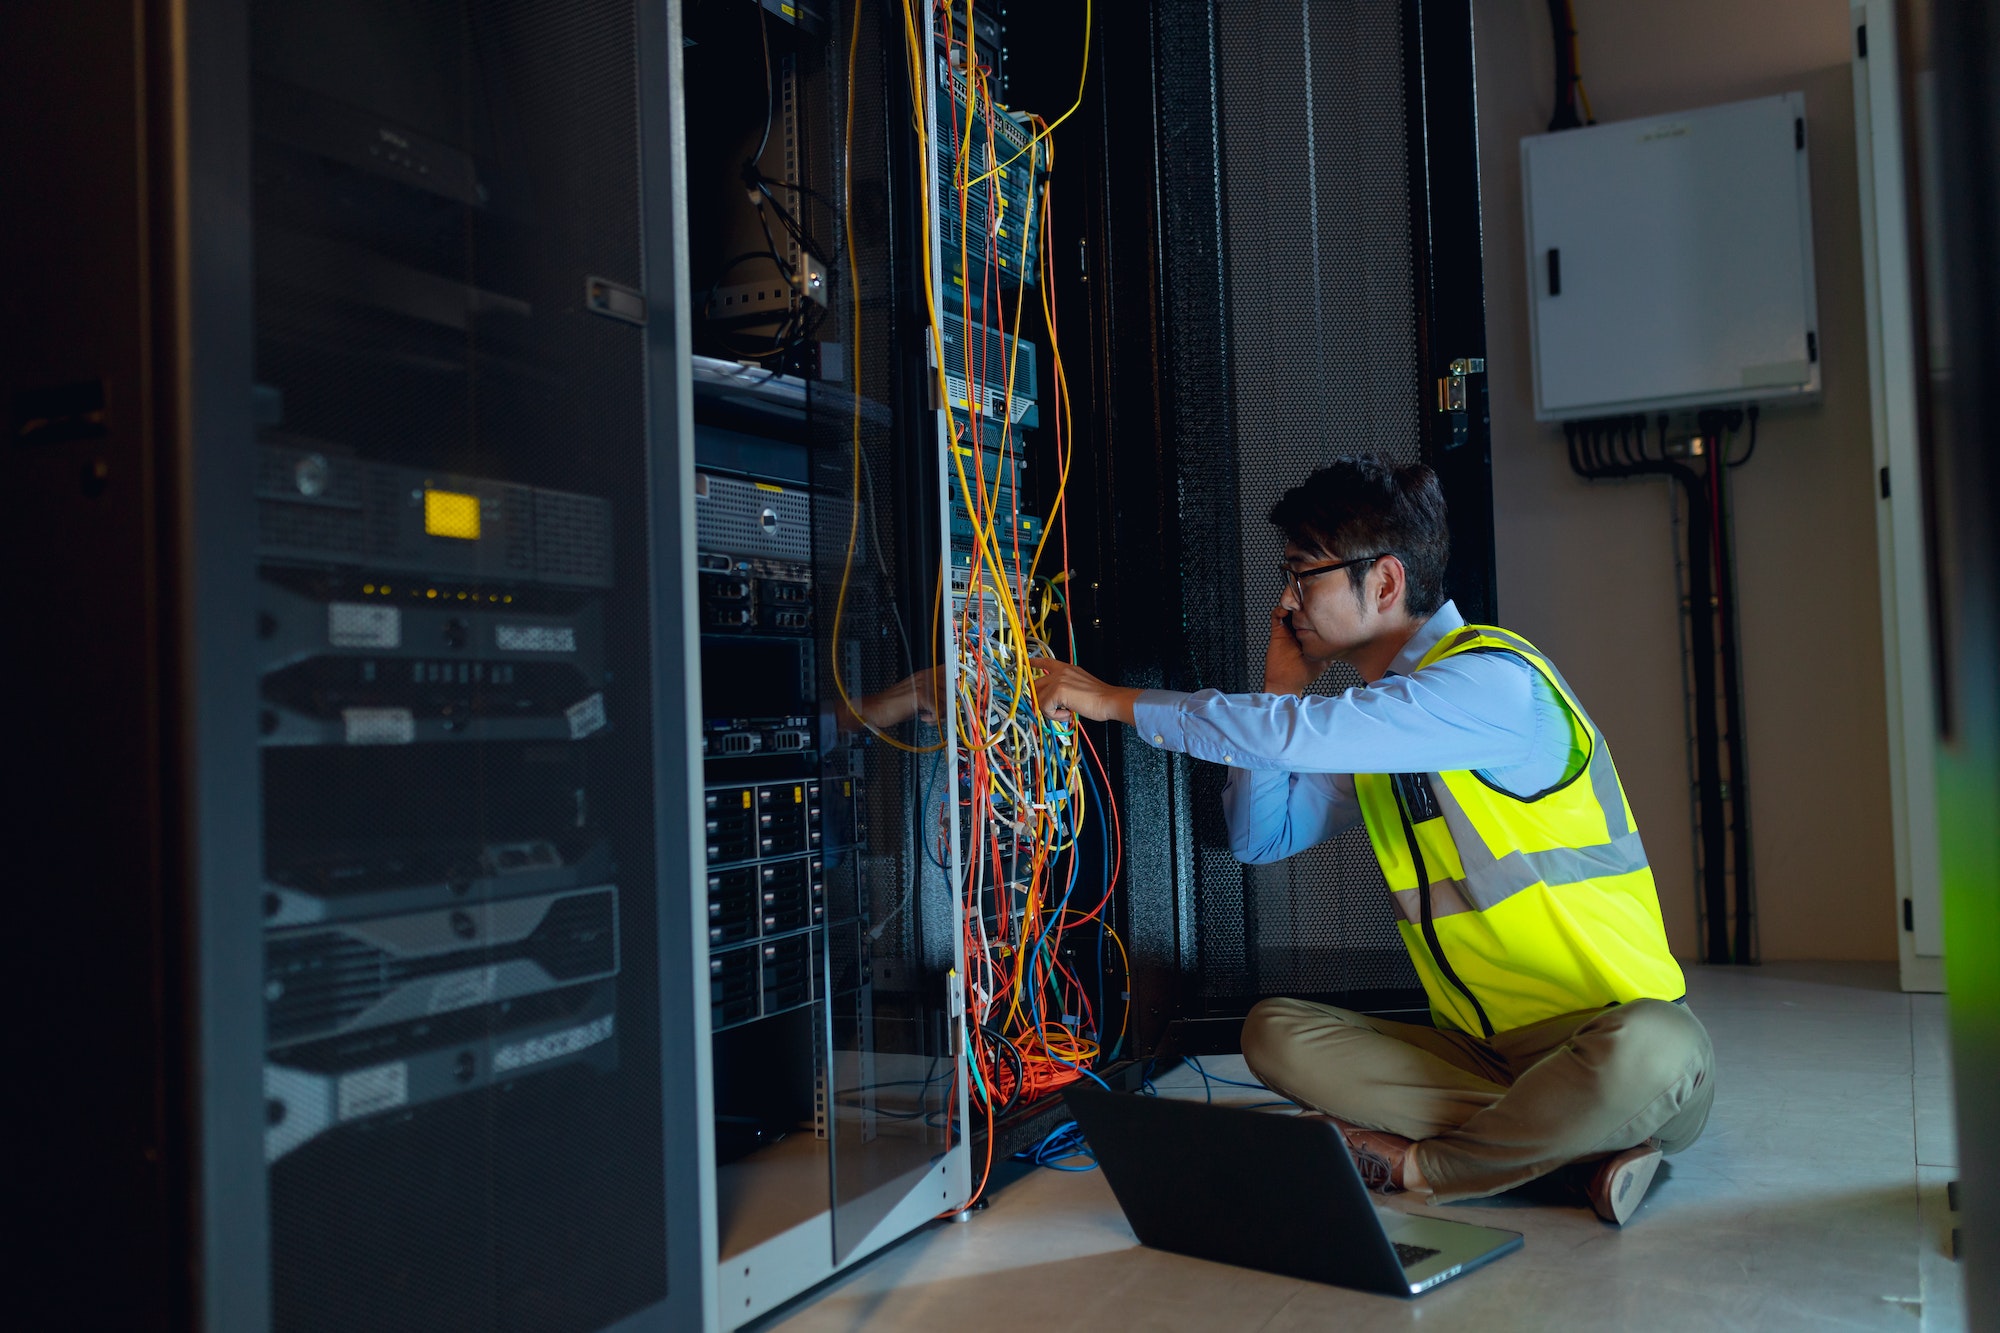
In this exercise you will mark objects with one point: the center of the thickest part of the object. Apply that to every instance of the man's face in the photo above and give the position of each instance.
(1327, 616)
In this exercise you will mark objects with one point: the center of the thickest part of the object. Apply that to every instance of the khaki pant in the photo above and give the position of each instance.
(1495, 1115)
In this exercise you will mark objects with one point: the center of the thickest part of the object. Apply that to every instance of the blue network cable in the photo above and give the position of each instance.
(1060, 1147)
(1207, 1078)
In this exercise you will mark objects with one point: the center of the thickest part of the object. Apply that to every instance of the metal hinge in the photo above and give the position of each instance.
(1451, 388)
(1452, 397)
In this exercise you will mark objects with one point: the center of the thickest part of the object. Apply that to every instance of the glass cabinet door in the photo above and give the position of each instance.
(818, 516)
(893, 921)
(461, 975)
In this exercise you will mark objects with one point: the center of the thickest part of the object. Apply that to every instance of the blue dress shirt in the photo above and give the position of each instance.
(1292, 759)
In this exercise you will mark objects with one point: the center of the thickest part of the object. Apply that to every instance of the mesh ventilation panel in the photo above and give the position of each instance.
(1320, 295)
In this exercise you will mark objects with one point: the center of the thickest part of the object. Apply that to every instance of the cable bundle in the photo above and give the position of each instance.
(1029, 787)
(1064, 1149)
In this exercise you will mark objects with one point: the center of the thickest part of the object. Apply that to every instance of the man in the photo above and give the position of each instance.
(1561, 1034)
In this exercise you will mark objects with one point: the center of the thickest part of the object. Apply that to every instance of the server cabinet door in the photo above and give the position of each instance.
(894, 925)
(1285, 265)
(833, 1056)
(454, 635)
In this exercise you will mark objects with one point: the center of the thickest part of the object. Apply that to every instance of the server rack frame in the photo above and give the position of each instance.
(751, 1283)
(687, 1120)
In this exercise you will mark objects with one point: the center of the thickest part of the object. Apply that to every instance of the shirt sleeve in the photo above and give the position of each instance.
(1272, 814)
(1470, 711)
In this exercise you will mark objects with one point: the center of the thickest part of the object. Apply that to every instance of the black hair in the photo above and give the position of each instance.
(1363, 506)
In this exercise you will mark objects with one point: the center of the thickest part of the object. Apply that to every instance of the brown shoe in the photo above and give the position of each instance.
(1378, 1155)
(1619, 1184)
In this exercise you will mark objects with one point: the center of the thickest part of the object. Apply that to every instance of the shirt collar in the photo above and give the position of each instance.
(1445, 620)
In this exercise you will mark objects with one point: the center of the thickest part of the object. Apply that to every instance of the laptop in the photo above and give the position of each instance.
(1275, 1192)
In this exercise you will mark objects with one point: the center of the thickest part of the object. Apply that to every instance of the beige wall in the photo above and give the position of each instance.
(1586, 568)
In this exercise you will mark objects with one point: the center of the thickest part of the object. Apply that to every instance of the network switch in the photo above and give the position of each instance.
(1002, 154)
(361, 878)
(310, 1092)
(1001, 364)
(330, 980)
(319, 505)
(367, 700)
(303, 617)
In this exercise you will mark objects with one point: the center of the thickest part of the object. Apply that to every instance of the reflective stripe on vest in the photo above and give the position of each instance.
(1592, 936)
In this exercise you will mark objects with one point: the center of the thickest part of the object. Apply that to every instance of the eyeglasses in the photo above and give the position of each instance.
(1293, 580)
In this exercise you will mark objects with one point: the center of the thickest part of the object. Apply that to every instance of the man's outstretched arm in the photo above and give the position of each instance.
(1475, 711)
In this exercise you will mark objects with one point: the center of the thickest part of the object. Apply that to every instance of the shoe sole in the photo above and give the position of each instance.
(1627, 1187)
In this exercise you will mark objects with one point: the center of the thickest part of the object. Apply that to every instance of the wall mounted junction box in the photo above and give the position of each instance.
(1670, 261)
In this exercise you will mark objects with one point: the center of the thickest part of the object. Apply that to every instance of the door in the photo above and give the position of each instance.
(1283, 266)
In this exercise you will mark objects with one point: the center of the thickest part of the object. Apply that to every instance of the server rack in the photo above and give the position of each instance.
(349, 413)
(413, 300)
(832, 949)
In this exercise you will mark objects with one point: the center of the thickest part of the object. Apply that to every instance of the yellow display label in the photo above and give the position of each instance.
(767, 486)
(798, 795)
(451, 514)
(746, 798)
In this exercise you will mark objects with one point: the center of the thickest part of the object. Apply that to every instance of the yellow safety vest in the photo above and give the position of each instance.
(1517, 909)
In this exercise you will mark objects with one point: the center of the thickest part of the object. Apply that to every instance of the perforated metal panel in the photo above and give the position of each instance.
(1319, 294)
(745, 518)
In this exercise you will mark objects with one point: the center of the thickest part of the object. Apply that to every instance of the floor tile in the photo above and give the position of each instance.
(1930, 1033)
(1937, 1133)
(1801, 1207)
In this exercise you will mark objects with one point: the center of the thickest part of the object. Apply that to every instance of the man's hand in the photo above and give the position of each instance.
(1065, 690)
(1287, 669)
(920, 695)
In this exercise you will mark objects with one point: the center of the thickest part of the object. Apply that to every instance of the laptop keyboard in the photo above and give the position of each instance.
(1412, 1254)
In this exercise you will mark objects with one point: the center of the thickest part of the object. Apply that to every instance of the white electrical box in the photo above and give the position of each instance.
(1670, 261)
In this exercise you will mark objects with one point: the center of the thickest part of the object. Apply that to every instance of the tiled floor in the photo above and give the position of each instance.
(1816, 1200)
